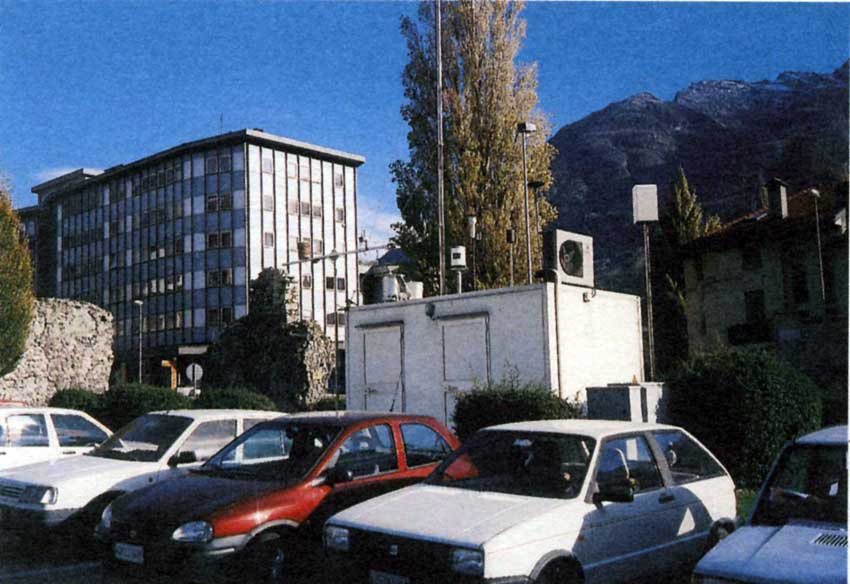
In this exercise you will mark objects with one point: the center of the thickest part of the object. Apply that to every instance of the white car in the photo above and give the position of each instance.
(33, 434)
(151, 448)
(797, 532)
(553, 501)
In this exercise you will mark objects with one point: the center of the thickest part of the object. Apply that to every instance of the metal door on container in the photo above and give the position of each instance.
(383, 369)
(466, 358)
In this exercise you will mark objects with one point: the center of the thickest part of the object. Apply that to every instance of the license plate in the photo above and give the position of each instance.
(129, 553)
(376, 577)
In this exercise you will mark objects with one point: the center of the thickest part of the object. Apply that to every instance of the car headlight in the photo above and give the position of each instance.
(39, 495)
(106, 518)
(336, 538)
(466, 561)
(194, 531)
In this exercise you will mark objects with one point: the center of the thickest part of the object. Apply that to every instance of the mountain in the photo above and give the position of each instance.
(729, 136)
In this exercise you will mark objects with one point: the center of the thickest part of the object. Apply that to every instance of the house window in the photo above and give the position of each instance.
(306, 281)
(338, 178)
(268, 239)
(318, 247)
(212, 240)
(268, 165)
(335, 318)
(212, 203)
(212, 165)
(213, 317)
(754, 306)
(750, 257)
(225, 201)
(329, 283)
(795, 278)
(340, 215)
(226, 239)
(305, 208)
(224, 163)
(317, 211)
(268, 203)
(340, 283)
(178, 320)
(292, 207)
(226, 315)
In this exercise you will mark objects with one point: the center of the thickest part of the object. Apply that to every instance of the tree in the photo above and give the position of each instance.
(272, 292)
(485, 95)
(681, 222)
(16, 294)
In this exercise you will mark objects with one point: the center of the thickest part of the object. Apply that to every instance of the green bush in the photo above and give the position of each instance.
(123, 403)
(743, 405)
(16, 279)
(235, 398)
(79, 399)
(508, 401)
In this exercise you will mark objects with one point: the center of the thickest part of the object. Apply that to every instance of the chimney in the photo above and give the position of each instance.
(777, 198)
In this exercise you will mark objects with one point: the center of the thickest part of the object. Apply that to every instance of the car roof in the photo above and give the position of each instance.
(348, 417)
(9, 409)
(220, 414)
(592, 428)
(832, 436)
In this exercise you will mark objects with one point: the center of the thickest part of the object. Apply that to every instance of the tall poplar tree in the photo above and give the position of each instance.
(485, 94)
(16, 295)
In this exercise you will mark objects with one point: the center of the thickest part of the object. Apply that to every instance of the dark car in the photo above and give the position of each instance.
(259, 504)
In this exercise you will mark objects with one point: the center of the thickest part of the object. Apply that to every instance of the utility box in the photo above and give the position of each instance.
(643, 402)
(419, 356)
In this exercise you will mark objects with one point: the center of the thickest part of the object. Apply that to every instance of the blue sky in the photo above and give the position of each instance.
(99, 83)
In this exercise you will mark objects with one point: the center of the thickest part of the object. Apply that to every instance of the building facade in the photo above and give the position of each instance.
(171, 242)
(763, 280)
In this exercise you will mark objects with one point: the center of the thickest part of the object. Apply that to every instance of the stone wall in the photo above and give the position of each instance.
(69, 346)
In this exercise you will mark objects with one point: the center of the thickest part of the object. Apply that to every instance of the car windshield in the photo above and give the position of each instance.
(809, 483)
(276, 450)
(145, 439)
(534, 464)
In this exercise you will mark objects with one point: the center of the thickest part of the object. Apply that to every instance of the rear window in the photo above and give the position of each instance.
(688, 461)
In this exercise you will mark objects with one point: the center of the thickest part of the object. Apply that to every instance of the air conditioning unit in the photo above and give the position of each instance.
(570, 256)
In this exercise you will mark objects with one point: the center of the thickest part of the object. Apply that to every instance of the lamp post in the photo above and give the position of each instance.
(816, 196)
(334, 256)
(645, 211)
(526, 128)
(140, 304)
(536, 185)
(471, 221)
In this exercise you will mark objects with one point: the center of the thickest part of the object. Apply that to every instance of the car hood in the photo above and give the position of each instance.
(444, 514)
(57, 473)
(187, 498)
(795, 553)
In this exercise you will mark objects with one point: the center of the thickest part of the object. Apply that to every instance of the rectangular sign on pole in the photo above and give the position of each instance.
(645, 203)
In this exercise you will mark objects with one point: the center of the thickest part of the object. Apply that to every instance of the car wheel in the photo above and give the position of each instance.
(270, 562)
(559, 573)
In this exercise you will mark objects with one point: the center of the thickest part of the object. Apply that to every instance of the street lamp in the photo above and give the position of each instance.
(526, 128)
(334, 256)
(140, 304)
(471, 222)
(816, 196)
(536, 185)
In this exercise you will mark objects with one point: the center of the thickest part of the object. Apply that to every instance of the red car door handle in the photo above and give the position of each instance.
(666, 498)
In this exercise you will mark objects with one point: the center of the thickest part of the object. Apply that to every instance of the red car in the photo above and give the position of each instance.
(260, 503)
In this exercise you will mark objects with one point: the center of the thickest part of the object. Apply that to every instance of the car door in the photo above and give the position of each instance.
(25, 439)
(618, 540)
(370, 454)
(75, 434)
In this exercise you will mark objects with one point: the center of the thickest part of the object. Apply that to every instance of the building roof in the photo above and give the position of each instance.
(256, 135)
(594, 428)
(832, 436)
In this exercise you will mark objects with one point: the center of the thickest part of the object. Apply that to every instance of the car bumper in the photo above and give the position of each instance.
(19, 519)
(346, 568)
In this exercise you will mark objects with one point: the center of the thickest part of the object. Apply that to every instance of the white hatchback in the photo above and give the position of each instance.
(553, 501)
(32, 434)
(151, 448)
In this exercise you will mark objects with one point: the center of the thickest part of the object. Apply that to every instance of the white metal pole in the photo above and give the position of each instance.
(527, 219)
(140, 340)
(648, 276)
(820, 250)
(440, 194)
(336, 341)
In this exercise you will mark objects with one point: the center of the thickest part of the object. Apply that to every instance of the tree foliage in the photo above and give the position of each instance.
(16, 278)
(681, 222)
(485, 94)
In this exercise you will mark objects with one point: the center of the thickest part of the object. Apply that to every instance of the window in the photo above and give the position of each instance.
(794, 277)
(292, 207)
(213, 317)
(268, 239)
(225, 201)
(687, 460)
(422, 445)
(212, 240)
(218, 278)
(178, 320)
(226, 315)
(268, 203)
(338, 178)
(226, 239)
(329, 283)
(212, 165)
(306, 282)
(26, 430)
(631, 459)
(340, 283)
(317, 211)
(209, 437)
(268, 165)
(318, 247)
(750, 257)
(305, 208)
(224, 163)
(340, 215)
(212, 203)
(368, 452)
(291, 167)
(754, 306)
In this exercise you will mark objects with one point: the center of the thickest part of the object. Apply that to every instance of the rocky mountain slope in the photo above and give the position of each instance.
(729, 136)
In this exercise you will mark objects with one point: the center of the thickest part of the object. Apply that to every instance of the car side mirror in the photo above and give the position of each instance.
(615, 493)
(338, 475)
(181, 458)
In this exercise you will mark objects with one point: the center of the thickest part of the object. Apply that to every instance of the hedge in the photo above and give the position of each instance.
(508, 401)
(743, 405)
(16, 292)
(235, 398)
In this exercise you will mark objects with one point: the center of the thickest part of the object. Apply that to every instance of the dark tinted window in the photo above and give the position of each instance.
(74, 430)
(687, 460)
(369, 451)
(635, 453)
(422, 445)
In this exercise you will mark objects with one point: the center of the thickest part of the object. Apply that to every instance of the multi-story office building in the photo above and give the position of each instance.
(178, 236)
